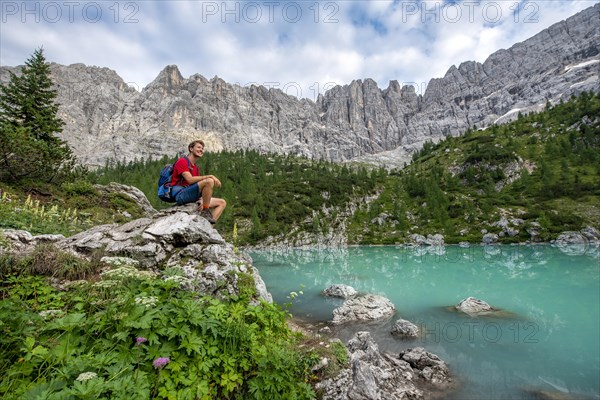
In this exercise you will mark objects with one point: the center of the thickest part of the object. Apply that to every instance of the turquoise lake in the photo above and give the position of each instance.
(550, 342)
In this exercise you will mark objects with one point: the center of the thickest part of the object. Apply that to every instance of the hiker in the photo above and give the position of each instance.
(189, 186)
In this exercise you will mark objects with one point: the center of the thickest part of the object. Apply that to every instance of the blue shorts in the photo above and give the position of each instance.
(187, 194)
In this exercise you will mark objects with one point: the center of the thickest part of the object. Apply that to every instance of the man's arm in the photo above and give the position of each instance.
(195, 179)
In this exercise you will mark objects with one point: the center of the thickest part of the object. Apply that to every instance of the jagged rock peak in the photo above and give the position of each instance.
(169, 77)
(394, 86)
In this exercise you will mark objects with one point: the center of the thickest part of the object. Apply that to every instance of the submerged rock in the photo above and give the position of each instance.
(413, 374)
(370, 307)
(539, 394)
(478, 308)
(338, 290)
(473, 306)
(404, 328)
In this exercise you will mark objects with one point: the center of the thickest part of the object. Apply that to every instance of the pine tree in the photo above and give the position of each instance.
(28, 100)
(28, 112)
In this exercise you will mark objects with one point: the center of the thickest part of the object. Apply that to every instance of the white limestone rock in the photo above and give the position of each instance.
(370, 307)
(339, 290)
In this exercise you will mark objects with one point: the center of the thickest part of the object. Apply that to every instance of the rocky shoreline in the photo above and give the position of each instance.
(503, 228)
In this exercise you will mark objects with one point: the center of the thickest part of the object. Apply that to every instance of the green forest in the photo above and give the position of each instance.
(543, 168)
(266, 193)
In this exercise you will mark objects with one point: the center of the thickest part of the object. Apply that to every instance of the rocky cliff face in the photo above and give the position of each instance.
(105, 119)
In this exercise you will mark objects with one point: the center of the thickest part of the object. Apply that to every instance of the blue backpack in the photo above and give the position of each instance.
(164, 182)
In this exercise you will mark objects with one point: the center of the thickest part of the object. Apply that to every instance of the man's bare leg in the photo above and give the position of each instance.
(218, 206)
(206, 188)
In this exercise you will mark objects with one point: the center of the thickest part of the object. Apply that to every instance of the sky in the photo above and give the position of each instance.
(301, 47)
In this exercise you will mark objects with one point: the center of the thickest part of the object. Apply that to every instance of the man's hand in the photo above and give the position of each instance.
(217, 182)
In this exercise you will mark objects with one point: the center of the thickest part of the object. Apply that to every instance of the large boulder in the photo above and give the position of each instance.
(575, 243)
(508, 227)
(534, 229)
(591, 233)
(133, 193)
(435, 240)
(489, 239)
(413, 374)
(570, 237)
(19, 241)
(427, 365)
(177, 239)
(417, 240)
(367, 308)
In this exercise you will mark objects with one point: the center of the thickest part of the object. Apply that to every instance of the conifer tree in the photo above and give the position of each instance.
(28, 112)
(29, 99)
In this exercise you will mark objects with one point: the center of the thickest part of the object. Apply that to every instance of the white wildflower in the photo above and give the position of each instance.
(108, 283)
(77, 283)
(51, 313)
(86, 376)
(148, 301)
(120, 261)
(181, 280)
(127, 272)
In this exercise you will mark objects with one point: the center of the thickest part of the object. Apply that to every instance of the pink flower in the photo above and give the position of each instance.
(140, 340)
(161, 362)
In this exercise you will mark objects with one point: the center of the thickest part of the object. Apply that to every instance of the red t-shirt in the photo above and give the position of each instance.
(180, 167)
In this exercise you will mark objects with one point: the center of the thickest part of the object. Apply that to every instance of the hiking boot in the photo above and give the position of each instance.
(207, 214)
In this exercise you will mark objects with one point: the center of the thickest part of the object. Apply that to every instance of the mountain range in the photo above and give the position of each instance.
(105, 119)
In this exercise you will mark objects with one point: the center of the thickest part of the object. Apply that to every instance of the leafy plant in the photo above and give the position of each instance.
(131, 335)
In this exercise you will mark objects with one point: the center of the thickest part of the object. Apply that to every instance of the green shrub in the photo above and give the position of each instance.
(79, 188)
(48, 260)
(134, 336)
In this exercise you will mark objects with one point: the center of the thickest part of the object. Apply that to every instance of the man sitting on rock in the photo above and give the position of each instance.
(189, 186)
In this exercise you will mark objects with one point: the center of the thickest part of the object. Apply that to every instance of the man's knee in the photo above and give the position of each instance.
(207, 182)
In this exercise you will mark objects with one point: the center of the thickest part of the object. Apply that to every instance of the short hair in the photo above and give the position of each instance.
(195, 142)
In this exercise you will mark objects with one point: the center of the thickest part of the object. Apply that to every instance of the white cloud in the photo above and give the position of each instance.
(309, 43)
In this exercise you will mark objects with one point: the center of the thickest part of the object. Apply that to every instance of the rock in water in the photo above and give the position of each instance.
(365, 308)
(473, 306)
(342, 291)
(404, 328)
